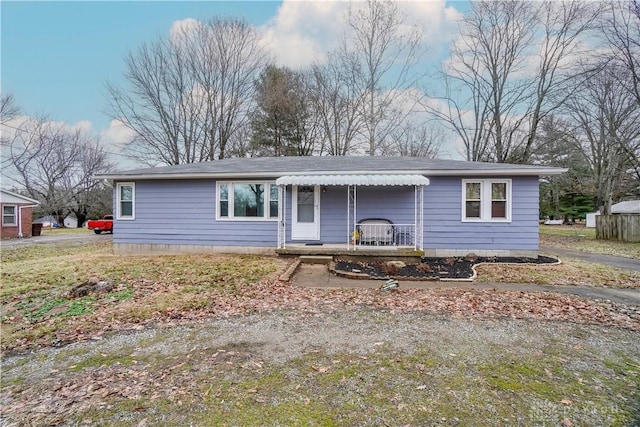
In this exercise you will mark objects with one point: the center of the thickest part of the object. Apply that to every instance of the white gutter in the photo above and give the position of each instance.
(20, 218)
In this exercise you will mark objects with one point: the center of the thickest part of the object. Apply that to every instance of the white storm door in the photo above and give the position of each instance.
(305, 224)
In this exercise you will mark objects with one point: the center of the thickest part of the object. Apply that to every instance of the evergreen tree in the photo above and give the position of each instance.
(281, 124)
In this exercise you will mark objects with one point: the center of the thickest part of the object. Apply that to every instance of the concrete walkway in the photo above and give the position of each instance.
(318, 276)
(614, 261)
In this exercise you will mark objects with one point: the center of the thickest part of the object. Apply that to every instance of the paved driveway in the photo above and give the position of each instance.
(614, 261)
(318, 276)
(80, 238)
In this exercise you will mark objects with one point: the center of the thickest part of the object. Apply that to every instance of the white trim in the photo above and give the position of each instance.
(316, 214)
(282, 223)
(18, 196)
(15, 215)
(485, 200)
(119, 202)
(351, 179)
(266, 208)
(20, 208)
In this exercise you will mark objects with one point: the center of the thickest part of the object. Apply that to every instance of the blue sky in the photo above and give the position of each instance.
(57, 56)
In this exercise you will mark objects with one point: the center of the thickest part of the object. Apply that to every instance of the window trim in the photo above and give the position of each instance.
(486, 200)
(230, 201)
(119, 215)
(15, 216)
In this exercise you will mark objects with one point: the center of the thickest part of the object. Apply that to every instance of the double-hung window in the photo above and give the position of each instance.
(126, 208)
(9, 215)
(486, 200)
(247, 200)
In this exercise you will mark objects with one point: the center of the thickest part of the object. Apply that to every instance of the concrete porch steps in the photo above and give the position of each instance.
(316, 259)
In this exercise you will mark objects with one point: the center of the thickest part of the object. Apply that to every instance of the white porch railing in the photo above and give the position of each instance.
(369, 235)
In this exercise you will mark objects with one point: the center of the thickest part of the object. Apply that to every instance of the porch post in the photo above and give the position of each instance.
(282, 226)
(351, 213)
(348, 217)
(419, 217)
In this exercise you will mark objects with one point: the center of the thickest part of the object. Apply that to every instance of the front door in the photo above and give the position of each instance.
(306, 213)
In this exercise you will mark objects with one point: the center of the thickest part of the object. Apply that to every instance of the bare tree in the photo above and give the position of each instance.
(240, 144)
(607, 129)
(336, 102)
(186, 95)
(621, 30)
(56, 165)
(385, 49)
(414, 140)
(226, 59)
(8, 108)
(511, 58)
(159, 105)
(563, 23)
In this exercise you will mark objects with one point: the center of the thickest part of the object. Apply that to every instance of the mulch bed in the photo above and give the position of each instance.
(431, 268)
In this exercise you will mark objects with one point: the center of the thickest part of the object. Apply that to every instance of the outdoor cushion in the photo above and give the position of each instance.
(375, 231)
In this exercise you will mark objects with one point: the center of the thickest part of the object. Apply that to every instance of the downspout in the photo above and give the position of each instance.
(20, 218)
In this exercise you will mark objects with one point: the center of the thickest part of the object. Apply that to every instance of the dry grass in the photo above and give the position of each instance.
(36, 281)
(199, 382)
(50, 231)
(570, 272)
(579, 238)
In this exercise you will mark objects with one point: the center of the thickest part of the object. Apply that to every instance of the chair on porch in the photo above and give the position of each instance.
(376, 231)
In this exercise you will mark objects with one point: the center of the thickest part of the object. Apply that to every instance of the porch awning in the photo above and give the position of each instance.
(373, 180)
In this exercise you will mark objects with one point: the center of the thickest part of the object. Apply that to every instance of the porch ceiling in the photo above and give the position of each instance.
(371, 180)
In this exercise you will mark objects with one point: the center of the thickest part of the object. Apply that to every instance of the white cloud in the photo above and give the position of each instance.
(83, 126)
(304, 31)
(184, 27)
(16, 124)
(116, 136)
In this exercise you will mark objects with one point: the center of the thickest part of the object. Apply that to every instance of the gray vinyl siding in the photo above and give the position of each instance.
(183, 212)
(444, 229)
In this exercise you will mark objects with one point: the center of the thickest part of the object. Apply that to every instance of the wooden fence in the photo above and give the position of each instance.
(625, 227)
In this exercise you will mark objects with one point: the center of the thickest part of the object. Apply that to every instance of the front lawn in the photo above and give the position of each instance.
(220, 340)
(36, 282)
(38, 310)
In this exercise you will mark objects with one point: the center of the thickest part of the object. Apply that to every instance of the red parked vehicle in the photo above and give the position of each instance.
(100, 225)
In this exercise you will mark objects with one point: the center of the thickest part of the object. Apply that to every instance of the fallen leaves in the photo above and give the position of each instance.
(157, 302)
(573, 240)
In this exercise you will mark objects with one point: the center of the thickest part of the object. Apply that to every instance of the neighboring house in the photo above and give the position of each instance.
(267, 205)
(47, 221)
(628, 207)
(17, 214)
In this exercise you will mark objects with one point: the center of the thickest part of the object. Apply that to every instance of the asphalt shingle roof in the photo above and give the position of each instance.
(279, 166)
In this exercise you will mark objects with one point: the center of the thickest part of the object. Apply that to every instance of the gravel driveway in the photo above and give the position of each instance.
(426, 364)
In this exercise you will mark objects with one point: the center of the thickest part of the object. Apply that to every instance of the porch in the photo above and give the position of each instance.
(383, 221)
(394, 252)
